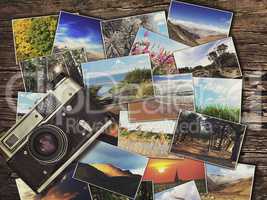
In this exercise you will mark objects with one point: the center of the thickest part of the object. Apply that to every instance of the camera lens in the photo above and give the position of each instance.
(48, 144)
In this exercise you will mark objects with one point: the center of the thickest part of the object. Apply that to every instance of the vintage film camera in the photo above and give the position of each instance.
(53, 134)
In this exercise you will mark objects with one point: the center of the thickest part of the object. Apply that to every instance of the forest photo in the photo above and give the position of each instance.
(119, 80)
(150, 139)
(37, 72)
(215, 59)
(194, 25)
(160, 50)
(34, 37)
(119, 34)
(207, 138)
(219, 97)
(169, 173)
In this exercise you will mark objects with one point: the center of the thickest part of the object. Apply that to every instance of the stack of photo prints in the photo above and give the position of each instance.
(174, 85)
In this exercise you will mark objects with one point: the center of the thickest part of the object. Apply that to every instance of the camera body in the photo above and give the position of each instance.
(53, 134)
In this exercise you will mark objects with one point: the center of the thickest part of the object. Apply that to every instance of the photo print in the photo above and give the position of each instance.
(215, 59)
(151, 139)
(230, 184)
(33, 37)
(219, 97)
(119, 80)
(168, 173)
(152, 109)
(77, 31)
(66, 188)
(194, 25)
(119, 34)
(145, 192)
(176, 89)
(38, 72)
(26, 101)
(207, 138)
(160, 50)
(186, 191)
(101, 165)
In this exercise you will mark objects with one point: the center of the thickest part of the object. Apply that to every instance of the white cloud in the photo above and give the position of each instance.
(207, 27)
(159, 18)
(242, 171)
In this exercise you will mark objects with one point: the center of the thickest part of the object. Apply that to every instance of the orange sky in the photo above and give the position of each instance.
(164, 170)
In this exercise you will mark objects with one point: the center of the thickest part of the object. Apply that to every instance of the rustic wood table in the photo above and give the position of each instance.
(250, 34)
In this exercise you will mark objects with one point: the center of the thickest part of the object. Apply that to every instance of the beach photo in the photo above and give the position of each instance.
(168, 173)
(219, 97)
(119, 80)
(26, 101)
(152, 109)
(77, 31)
(209, 139)
(186, 191)
(101, 165)
(119, 34)
(160, 50)
(215, 59)
(151, 139)
(230, 184)
(33, 37)
(66, 188)
(37, 72)
(194, 25)
(176, 89)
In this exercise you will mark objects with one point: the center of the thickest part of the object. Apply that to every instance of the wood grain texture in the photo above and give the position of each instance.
(249, 33)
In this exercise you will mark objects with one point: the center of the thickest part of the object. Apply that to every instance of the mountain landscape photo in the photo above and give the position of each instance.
(229, 184)
(193, 25)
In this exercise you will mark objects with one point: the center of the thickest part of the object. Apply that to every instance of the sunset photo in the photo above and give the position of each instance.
(167, 173)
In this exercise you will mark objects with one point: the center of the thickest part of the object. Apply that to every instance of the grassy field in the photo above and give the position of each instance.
(222, 112)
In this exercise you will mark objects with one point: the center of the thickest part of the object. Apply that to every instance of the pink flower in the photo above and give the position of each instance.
(146, 34)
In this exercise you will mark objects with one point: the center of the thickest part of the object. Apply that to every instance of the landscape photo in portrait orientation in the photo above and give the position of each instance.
(169, 173)
(219, 97)
(186, 191)
(207, 138)
(66, 188)
(38, 72)
(152, 109)
(234, 184)
(216, 59)
(119, 34)
(152, 138)
(119, 80)
(34, 37)
(101, 165)
(145, 192)
(175, 88)
(77, 31)
(194, 25)
(160, 50)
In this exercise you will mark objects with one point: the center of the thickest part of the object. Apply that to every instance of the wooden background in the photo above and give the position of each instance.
(250, 34)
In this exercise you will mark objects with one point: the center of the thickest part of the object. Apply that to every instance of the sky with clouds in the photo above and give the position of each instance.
(75, 31)
(101, 152)
(158, 41)
(26, 101)
(200, 17)
(198, 55)
(187, 191)
(115, 66)
(241, 171)
(218, 91)
(160, 21)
